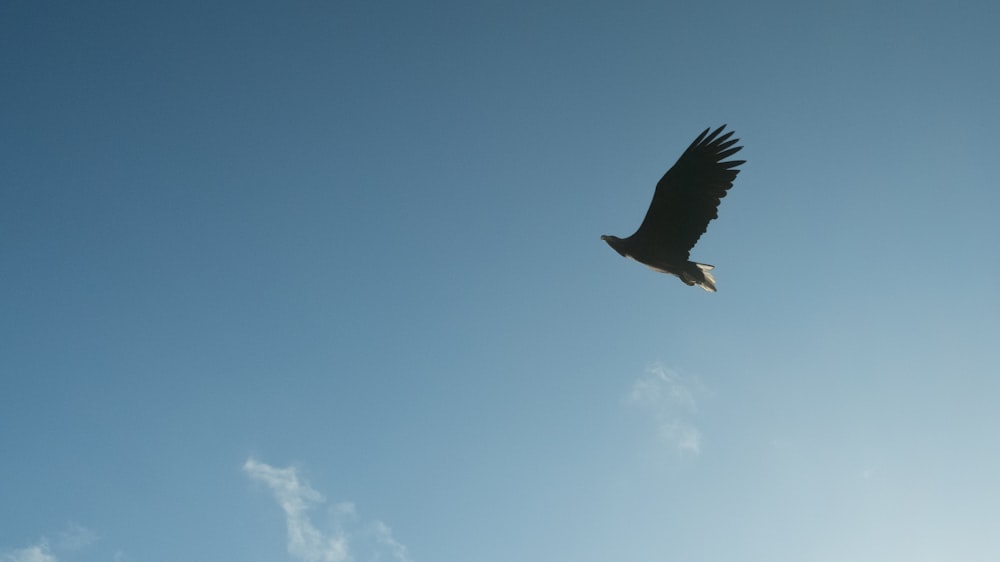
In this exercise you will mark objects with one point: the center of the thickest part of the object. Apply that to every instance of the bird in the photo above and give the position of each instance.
(686, 199)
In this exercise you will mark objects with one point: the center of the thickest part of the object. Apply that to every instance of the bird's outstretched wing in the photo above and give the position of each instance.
(687, 197)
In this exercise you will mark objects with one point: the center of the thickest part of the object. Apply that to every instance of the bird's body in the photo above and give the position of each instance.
(686, 200)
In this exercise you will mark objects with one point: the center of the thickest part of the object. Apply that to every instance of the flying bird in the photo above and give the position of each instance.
(686, 200)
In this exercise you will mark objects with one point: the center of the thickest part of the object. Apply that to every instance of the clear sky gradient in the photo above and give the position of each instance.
(323, 281)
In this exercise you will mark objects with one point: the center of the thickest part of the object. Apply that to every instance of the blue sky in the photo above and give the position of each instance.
(322, 281)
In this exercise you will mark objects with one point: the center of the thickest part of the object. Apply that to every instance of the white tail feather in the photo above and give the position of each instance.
(709, 283)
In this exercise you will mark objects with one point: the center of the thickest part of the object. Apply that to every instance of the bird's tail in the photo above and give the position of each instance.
(698, 274)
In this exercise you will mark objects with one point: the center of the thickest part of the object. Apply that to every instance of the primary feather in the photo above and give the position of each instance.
(686, 199)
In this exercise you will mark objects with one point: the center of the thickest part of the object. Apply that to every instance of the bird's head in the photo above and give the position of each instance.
(616, 244)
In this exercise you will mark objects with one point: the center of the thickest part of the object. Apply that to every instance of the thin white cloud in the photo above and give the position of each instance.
(347, 541)
(74, 538)
(36, 553)
(684, 435)
(671, 400)
(383, 534)
(304, 540)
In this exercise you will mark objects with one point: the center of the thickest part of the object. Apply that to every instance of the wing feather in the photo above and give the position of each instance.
(687, 197)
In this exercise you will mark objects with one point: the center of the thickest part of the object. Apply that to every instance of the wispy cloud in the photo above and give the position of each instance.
(294, 496)
(347, 537)
(75, 537)
(39, 552)
(671, 400)
(383, 535)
